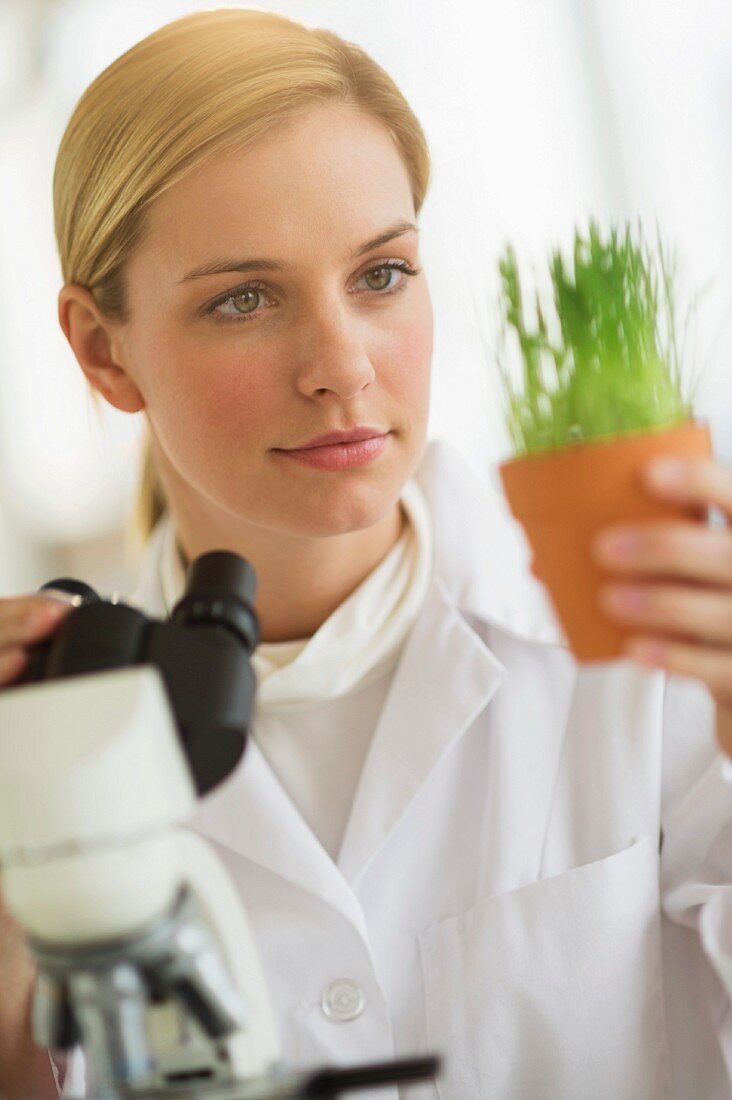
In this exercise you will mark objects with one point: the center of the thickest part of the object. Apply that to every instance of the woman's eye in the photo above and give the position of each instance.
(382, 277)
(244, 300)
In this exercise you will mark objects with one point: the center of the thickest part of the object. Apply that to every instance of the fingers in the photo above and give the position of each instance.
(669, 549)
(701, 480)
(12, 662)
(25, 621)
(695, 614)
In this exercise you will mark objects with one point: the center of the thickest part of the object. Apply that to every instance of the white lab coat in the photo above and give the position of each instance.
(500, 897)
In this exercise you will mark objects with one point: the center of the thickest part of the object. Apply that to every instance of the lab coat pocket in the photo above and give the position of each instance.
(553, 990)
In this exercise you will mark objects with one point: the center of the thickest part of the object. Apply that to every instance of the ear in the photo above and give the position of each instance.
(92, 339)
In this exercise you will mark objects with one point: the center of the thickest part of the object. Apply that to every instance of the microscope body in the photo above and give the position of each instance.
(143, 949)
(141, 942)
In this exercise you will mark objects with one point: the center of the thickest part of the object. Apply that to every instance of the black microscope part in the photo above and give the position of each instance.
(330, 1082)
(202, 650)
(76, 588)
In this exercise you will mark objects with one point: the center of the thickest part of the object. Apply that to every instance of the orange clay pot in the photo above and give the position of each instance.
(565, 497)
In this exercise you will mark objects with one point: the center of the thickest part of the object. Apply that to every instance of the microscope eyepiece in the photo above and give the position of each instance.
(220, 589)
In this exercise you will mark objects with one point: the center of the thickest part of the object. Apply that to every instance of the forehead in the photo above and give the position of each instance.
(330, 176)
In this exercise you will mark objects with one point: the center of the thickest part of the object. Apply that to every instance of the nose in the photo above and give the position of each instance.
(334, 355)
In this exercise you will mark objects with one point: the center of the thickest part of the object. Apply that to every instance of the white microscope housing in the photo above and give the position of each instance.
(93, 790)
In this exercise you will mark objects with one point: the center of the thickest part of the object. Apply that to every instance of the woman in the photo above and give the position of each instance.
(447, 835)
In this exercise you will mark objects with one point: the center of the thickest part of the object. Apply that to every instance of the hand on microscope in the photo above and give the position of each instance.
(25, 620)
(25, 1069)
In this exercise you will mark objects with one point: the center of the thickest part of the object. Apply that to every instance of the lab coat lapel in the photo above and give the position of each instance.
(252, 814)
(445, 677)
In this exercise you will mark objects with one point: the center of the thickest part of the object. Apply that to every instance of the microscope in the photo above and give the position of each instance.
(144, 953)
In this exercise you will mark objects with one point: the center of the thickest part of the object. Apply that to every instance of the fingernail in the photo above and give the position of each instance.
(668, 471)
(651, 653)
(47, 612)
(617, 544)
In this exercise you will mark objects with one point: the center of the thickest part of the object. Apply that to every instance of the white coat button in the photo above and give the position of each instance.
(343, 1000)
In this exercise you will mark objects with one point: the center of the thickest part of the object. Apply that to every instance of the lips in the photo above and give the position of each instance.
(340, 457)
(354, 435)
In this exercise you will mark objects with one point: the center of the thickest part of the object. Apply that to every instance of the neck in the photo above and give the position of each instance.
(291, 606)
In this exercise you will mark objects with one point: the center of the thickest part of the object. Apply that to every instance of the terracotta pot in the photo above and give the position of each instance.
(563, 498)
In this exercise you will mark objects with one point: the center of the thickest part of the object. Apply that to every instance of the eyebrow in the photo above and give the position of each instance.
(216, 267)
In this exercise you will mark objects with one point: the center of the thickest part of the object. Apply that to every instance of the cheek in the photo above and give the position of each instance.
(205, 401)
(408, 356)
(239, 392)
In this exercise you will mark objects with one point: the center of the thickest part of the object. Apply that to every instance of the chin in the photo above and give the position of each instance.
(354, 511)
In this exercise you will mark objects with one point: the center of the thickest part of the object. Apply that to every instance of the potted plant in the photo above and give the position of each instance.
(592, 394)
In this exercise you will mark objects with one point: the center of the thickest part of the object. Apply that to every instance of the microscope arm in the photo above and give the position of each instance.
(253, 1049)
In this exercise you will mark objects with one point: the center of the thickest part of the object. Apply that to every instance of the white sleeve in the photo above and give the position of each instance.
(696, 862)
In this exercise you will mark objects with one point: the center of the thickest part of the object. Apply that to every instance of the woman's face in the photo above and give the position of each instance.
(233, 364)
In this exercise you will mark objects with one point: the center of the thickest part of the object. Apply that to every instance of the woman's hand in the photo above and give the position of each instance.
(680, 597)
(24, 621)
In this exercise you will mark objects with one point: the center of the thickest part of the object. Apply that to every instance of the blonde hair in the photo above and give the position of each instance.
(205, 84)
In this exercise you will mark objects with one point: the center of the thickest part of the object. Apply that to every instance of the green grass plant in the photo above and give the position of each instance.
(599, 356)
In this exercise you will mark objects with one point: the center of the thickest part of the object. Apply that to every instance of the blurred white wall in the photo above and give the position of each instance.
(537, 116)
